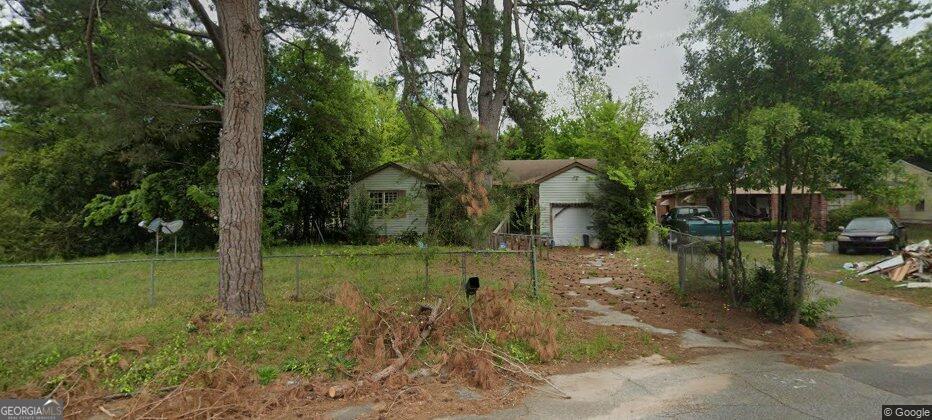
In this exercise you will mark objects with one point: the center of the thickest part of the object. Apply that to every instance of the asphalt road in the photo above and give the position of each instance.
(890, 362)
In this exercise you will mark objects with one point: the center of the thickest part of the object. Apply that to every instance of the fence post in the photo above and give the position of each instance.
(426, 275)
(152, 282)
(297, 278)
(533, 267)
(681, 264)
(463, 268)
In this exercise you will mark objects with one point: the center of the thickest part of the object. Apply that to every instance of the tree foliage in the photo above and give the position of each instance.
(81, 164)
(801, 95)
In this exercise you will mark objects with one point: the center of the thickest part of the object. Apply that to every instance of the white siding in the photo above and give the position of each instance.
(845, 199)
(913, 212)
(572, 186)
(392, 178)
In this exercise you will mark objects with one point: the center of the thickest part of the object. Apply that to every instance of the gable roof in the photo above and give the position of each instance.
(515, 172)
(522, 172)
(406, 168)
(923, 165)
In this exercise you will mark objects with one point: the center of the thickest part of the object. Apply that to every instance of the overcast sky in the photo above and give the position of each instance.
(655, 61)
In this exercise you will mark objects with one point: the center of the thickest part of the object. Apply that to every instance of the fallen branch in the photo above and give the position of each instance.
(123, 395)
(517, 366)
(338, 391)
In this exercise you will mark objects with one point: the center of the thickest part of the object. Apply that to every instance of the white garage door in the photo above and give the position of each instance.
(570, 224)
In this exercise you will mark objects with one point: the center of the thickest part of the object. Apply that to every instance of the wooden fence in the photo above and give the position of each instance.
(520, 242)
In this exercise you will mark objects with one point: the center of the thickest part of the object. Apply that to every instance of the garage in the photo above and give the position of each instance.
(571, 223)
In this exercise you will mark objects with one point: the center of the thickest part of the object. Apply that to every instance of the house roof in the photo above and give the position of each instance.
(921, 164)
(537, 171)
(404, 167)
(516, 172)
(689, 189)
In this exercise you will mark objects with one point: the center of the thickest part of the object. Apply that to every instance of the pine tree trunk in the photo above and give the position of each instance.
(240, 175)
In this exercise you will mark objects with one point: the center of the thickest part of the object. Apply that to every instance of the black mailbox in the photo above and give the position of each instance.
(471, 286)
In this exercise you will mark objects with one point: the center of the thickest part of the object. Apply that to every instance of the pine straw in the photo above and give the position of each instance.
(387, 336)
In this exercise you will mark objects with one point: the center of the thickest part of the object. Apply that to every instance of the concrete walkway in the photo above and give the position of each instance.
(890, 363)
(874, 318)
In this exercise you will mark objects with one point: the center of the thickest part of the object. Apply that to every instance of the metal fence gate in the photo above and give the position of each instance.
(698, 267)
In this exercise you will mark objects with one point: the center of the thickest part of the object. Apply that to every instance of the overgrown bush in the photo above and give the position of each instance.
(621, 215)
(449, 224)
(768, 295)
(755, 231)
(861, 208)
(359, 223)
(812, 313)
(408, 237)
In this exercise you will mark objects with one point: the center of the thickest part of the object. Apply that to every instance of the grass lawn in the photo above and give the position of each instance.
(916, 233)
(49, 314)
(825, 266)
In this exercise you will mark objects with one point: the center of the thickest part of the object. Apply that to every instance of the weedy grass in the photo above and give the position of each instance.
(51, 314)
(660, 266)
(827, 267)
(592, 348)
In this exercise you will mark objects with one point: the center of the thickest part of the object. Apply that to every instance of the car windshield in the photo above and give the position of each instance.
(691, 212)
(870, 224)
(703, 212)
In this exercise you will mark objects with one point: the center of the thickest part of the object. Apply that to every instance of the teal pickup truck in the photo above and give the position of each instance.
(697, 221)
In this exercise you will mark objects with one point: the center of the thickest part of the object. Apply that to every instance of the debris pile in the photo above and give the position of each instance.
(913, 262)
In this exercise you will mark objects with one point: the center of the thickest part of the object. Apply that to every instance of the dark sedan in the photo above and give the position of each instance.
(871, 234)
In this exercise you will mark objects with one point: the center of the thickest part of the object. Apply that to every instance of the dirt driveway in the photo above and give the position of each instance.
(888, 362)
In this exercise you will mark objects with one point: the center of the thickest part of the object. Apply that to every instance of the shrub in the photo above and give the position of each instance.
(768, 295)
(359, 223)
(449, 223)
(408, 237)
(860, 208)
(755, 231)
(621, 214)
(812, 313)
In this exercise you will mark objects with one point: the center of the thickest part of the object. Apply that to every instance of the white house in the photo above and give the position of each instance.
(919, 211)
(561, 188)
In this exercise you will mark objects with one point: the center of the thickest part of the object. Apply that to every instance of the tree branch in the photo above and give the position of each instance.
(213, 30)
(195, 107)
(94, 68)
(188, 32)
(214, 82)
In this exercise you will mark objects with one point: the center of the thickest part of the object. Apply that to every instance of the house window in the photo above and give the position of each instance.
(921, 205)
(382, 200)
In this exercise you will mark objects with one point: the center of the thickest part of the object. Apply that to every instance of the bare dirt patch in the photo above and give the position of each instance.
(656, 304)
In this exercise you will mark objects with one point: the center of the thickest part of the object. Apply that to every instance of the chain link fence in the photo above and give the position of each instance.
(698, 266)
(162, 281)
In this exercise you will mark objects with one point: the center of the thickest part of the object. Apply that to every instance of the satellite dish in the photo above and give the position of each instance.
(154, 225)
(172, 227)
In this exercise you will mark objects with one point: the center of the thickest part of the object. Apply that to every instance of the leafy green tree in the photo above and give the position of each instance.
(797, 95)
(476, 52)
(85, 160)
(612, 131)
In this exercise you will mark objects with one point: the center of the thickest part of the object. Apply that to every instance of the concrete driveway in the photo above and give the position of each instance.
(890, 362)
